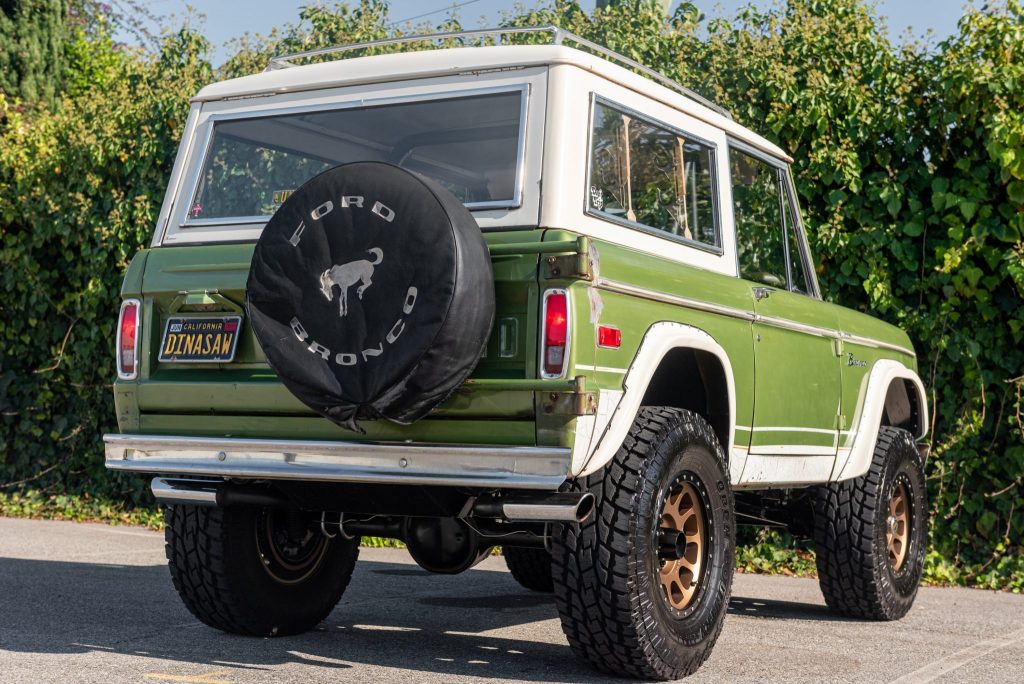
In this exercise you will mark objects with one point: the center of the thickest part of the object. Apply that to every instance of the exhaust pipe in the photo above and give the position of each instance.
(209, 493)
(189, 492)
(554, 507)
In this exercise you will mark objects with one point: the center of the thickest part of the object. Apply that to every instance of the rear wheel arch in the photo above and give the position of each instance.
(693, 379)
(667, 350)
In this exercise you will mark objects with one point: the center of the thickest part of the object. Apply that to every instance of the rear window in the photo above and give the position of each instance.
(471, 145)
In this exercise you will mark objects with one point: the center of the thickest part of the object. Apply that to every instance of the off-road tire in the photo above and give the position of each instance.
(530, 567)
(854, 569)
(607, 588)
(217, 569)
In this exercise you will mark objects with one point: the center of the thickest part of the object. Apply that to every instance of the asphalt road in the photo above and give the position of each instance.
(92, 603)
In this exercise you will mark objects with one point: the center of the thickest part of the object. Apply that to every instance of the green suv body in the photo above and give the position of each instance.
(660, 367)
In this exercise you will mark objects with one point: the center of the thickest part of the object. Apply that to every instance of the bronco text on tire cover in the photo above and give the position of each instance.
(371, 294)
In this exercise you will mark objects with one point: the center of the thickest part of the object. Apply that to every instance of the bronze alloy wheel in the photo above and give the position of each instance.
(682, 544)
(291, 549)
(897, 525)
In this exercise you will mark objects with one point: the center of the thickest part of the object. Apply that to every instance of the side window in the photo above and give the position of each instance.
(645, 173)
(758, 202)
(797, 271)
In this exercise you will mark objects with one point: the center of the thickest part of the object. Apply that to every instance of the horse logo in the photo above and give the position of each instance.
(347, 275)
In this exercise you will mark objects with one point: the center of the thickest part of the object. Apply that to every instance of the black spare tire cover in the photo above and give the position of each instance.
(371, 293)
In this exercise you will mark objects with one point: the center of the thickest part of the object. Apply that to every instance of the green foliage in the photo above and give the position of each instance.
(769, 552)
(32, 38)
(82, 187)
(33, 503)
(909, 162)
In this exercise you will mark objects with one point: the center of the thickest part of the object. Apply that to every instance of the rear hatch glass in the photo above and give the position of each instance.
(472, 145)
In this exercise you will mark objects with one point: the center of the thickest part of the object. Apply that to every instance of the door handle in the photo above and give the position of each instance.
(762, 293)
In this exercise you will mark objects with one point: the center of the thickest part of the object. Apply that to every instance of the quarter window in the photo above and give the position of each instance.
(757, 207)
(651, 175)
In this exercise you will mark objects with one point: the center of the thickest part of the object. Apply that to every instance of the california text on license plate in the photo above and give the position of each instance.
(200, 339)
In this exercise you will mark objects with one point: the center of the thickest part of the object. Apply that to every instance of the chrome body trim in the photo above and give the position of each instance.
(878, 344)
(666, 298)
(510, 467)
(787, 324)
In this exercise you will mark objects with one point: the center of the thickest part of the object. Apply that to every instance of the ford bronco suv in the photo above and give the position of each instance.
(530, 296)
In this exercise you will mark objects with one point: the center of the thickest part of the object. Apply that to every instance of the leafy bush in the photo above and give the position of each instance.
(909, 161)
(82, 186)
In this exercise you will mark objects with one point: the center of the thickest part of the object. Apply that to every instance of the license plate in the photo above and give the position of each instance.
(200, 339)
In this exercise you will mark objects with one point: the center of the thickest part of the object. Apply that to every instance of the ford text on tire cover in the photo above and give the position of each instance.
(524, 296)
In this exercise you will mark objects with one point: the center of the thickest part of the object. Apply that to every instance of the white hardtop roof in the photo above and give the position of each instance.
(404, 66)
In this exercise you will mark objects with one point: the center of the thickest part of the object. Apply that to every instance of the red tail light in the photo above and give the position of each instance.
(128, 334)
(554, 352)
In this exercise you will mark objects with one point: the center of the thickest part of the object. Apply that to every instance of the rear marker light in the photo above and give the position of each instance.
(554, 351)
(608, 336)
(128, 335)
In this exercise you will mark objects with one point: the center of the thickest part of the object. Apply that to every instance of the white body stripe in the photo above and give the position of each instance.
(601, 369)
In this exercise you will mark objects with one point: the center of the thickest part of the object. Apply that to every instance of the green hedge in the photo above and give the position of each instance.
(909, 164)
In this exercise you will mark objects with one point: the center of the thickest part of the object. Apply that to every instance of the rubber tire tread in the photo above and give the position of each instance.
(531, 568)
(844, 541)
(195, 543)
(592, 573)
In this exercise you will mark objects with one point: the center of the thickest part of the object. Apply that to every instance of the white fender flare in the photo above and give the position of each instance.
(619, 409)
(869, 417)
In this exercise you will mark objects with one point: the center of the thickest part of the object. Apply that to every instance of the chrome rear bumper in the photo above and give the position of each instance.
(507, 467)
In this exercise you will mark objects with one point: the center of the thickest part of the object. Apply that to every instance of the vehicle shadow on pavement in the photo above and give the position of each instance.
(783, 610)
(479, 624)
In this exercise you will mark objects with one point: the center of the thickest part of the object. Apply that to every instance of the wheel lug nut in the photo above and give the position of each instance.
(671, 544)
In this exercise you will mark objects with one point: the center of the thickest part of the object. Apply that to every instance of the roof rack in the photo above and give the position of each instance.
(558, 37)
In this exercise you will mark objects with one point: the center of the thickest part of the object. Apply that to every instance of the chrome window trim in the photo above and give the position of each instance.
(801, 235)
(544, 329)
(138, 338)
(516, 201)
(718, 248)
(709, 307)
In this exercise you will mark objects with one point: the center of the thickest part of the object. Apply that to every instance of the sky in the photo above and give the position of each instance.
(226, 19)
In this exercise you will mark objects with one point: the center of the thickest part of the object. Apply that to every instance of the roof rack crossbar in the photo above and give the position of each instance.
(558, 37)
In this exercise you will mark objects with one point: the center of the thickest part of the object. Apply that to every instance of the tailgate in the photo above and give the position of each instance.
(245, 396)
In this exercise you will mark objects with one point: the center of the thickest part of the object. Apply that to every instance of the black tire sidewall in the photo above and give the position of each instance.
(686, 452)
(281, 609)
(530, 567)
(903, 463)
